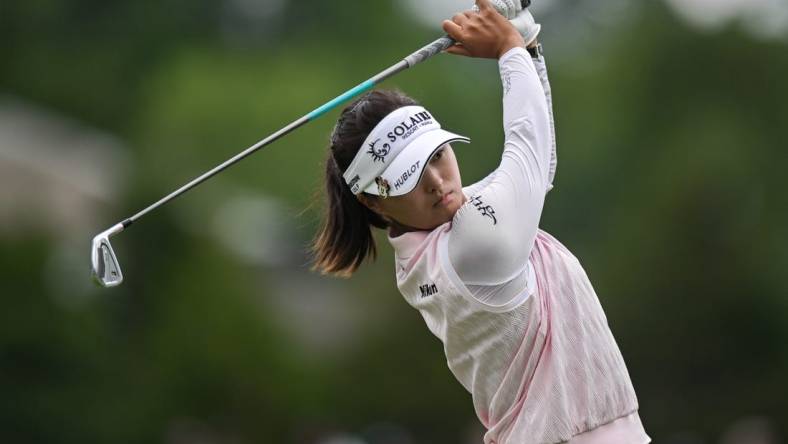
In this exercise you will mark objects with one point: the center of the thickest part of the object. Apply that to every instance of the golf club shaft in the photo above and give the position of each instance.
(408, 62)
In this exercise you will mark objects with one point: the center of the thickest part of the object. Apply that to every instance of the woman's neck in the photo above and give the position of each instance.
(396, 229)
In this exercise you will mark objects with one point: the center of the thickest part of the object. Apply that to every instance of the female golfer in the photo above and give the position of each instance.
(521, 325)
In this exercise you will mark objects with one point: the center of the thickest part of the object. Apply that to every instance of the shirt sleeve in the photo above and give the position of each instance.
(470, 190)
(493, 232)
(541, 69)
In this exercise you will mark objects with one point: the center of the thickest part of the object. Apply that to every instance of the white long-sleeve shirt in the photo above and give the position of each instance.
(486, 243)
(540, 361)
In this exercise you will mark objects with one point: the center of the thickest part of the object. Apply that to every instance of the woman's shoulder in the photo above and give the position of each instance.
(410, 243)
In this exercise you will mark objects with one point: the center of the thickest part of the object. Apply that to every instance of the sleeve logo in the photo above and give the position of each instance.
(486, 210)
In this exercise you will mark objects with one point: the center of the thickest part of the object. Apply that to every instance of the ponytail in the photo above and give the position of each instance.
(345, 238)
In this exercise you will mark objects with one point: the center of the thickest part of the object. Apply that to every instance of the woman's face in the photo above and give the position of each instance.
(433, 202)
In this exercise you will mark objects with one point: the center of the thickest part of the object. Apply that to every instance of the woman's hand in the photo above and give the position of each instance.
(485, 34)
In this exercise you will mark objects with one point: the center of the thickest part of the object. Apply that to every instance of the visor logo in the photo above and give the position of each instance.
(407, 127)
(379, 153)
(407, 175)
(383, 187)
(354, 183)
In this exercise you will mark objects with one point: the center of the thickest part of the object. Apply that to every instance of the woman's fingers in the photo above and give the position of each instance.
(485, 33)
(458, 50)
(452, 29)
(484, 4)
(460, 18)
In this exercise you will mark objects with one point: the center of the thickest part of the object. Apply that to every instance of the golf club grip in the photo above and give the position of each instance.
(445, 42)
(428, 51)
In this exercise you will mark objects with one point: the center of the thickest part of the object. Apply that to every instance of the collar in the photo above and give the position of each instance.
(407, 243)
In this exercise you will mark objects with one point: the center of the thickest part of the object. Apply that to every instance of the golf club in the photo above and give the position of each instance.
(105, 268)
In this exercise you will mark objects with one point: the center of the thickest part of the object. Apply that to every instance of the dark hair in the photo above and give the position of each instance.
(345, 237)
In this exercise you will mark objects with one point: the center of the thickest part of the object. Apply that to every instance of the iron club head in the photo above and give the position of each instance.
(105, 267)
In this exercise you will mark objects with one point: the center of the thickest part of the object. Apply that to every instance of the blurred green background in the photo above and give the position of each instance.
(671, 189)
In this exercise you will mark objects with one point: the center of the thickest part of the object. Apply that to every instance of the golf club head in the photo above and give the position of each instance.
(105, 268)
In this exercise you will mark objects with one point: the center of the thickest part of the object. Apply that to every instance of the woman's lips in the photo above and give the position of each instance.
(445, 199)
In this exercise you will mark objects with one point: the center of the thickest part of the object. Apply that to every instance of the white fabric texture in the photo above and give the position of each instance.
(487, 236)
(626, 430)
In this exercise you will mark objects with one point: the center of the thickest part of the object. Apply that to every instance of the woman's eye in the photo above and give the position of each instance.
(438, 155)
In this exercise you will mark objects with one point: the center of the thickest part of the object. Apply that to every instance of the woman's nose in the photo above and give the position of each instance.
(432, 179)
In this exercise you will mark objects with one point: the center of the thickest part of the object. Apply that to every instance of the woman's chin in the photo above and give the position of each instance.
(449, 212)
(455, 205)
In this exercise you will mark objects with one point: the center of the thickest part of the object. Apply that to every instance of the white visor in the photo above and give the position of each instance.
(392, 158)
